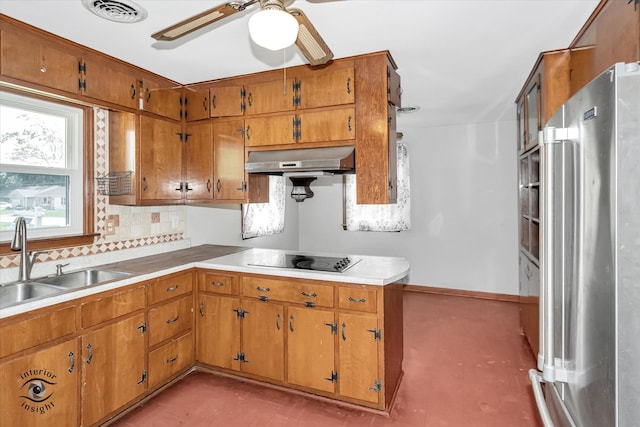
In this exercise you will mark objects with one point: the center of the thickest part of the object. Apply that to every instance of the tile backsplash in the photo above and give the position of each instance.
(119, 227)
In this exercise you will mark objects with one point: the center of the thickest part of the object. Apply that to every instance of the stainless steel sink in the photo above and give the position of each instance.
(17, 292)
(82, 278)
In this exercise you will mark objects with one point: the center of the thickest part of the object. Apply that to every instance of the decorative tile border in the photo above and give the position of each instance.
(110, 243)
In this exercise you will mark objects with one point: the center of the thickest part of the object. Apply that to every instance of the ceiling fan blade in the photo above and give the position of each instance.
(200, 20)
(312, 46)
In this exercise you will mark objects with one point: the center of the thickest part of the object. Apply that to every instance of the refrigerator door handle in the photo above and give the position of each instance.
(536, 382)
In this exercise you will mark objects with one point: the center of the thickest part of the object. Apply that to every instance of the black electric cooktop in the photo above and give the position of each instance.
(308, 262)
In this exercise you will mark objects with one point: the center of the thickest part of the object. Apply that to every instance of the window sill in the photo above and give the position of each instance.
(48, 244)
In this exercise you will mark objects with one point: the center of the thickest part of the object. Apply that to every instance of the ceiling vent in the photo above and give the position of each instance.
(124, 11)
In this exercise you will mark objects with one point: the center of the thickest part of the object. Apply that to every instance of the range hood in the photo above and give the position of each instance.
(305, 161)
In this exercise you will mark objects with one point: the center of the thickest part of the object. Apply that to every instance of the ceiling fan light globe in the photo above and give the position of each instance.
(273, 29)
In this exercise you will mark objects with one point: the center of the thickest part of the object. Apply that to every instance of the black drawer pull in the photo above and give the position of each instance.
(307, 294)
(173, 359)
(352, 299)
(172, 288)
(214, 283)
(261, 289)
(173, 320)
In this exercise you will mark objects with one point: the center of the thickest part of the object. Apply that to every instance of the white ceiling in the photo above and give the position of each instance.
(461, 61)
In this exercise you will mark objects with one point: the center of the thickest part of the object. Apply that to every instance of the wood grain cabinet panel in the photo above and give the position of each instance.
(326, 125)
(359, 299)
(35, 59)
(228, 160)
(114, 369)
(112, 306)
(105, 79)
(270, 130)
(304, 292)
(218, 331)
(310, 348)
(227, 101)
(218, 282)
(198, 166)
(41, 388)
(268, 97)
(196, 104)
(162, 97)
(170, 319)
(37, 330)
(263, 327)
(326, 88)
(172, 358)
(170, 287)
(358, 370)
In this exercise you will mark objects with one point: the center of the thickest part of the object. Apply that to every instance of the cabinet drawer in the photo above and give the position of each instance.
(219, 283)
(170, 287)
(170, 319)
(170, 359)
(308, 293)
(112, 306)
(32, 332)
(361, 299)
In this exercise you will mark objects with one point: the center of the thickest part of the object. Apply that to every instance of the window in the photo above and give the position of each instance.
(41, 167)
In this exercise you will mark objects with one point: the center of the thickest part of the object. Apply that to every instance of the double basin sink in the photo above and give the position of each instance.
(17, 292)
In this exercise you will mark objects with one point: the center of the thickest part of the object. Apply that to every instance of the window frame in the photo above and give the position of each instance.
(88, 234)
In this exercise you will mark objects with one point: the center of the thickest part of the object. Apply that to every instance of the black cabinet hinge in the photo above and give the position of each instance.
(240, 312)
(240, 357)
(82, 67)
(377, 386)
(333, 326)
(82, 84)
(377, 334)
(309, 304)
(334, 377)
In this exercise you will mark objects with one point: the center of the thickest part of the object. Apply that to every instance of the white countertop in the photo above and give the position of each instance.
(369, 270)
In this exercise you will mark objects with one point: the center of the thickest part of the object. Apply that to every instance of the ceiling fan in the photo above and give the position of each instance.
(307, 38)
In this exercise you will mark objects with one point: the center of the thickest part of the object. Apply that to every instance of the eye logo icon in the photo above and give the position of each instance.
(36, 390)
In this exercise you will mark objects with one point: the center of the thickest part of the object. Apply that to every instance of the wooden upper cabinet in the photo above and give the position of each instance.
(269, 97)
(160, 159)
(106, 79)
(198, 166)
(376, 152)
(163, 97)
(227, 101)
(196, 104)
(228, 160)
(271, 130)
(326, 125)
(34, 59)
(325, 88)
(394, 87)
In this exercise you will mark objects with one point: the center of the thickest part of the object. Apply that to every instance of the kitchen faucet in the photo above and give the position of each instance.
(19, 243)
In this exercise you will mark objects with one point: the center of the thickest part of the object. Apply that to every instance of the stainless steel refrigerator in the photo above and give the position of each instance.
(589, 361)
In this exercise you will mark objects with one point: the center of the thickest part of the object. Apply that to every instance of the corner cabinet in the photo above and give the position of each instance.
(337, 340)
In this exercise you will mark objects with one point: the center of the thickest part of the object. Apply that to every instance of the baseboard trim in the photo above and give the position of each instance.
(462, 293)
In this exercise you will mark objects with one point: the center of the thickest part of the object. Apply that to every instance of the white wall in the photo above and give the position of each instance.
(463, 210)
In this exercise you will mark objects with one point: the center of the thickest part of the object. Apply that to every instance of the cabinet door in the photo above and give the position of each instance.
(218, 340)
(113, 367)
(324, 89)
(263, 339)
(272, 130)
(42, 388)
(196, 103)
(269, 97)
(227, 101)
(162, 97)
(199, 161)
(327, 125)
(358, 355)
(160, 159)
(106, 80)
(310, 348)
(228, 160)
(30, 58)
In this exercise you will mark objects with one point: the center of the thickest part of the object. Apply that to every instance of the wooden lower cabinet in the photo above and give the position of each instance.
(310, 348)
(263, 339)
(358, 357)
(218, 331)
(41, 388)
(113, 367)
